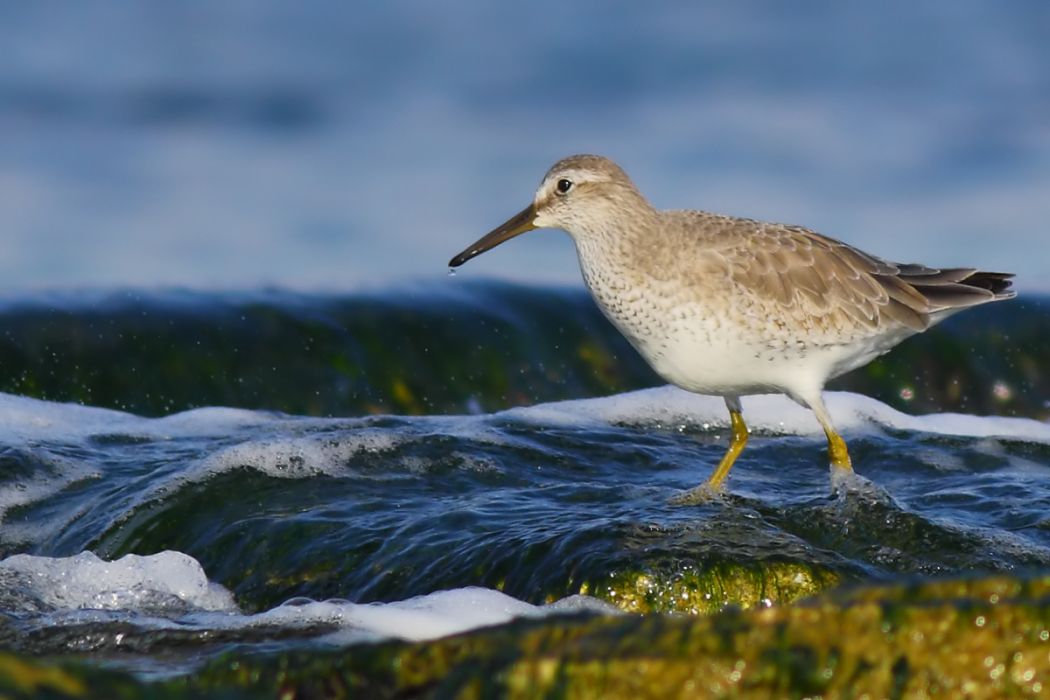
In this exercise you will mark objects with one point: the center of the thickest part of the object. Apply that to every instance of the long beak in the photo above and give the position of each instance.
(517, 224)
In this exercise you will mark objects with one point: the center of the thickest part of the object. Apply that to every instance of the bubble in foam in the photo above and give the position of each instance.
(772, 413)
(168, 579)
(301, 457)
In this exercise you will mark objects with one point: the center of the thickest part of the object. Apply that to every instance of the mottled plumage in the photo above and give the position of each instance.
(729, 306)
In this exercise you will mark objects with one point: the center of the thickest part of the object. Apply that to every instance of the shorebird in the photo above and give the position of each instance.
(728, 306)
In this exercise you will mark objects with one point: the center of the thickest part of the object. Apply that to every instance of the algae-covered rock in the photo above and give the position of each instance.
(712, 588)
(982, 638)
(978, 639)
(23, 677)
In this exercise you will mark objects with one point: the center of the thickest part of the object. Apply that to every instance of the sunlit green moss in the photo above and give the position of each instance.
(708, 590)
(24, 677)
(983, 638)
(987, 638)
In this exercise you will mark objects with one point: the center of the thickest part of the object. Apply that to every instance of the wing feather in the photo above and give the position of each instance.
(834, 285)
(830, 282)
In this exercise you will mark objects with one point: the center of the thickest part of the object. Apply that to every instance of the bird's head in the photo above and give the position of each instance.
(584, 195)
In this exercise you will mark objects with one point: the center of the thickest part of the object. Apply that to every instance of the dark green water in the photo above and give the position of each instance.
(455, 348)
(357, 448)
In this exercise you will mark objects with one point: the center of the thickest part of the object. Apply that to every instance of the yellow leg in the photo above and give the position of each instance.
(736, 446)
(713, 485)
(837, 451)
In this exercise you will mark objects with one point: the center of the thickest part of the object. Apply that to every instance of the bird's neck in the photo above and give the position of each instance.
(617, 239)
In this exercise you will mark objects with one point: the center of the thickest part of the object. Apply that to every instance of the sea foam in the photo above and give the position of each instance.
(171, 588)
(774, 413)
(25, 419)
(167, 580)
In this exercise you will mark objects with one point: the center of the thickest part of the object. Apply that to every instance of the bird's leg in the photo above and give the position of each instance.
(837, 452)
(736, 446)
(738, 439)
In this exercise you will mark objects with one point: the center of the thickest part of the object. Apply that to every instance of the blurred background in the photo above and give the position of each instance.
(331, 146)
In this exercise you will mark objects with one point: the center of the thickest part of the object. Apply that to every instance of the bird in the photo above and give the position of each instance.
(731, 307)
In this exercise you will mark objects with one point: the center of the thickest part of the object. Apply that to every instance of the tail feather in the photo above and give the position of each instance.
(920, 274)
(956, 288)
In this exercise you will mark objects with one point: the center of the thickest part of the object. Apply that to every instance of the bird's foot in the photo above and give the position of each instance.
(704, 493)
(847, 481)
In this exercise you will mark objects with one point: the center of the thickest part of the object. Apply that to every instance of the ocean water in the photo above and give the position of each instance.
(157, 542)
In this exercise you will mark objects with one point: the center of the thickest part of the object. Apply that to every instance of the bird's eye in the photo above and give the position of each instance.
(563, 186)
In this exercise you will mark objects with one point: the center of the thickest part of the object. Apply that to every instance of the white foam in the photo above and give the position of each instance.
(171, 588)
(132, 582)
(23, 419)
(298, 457)
(430, 616)
(61, 472)
(670, 406)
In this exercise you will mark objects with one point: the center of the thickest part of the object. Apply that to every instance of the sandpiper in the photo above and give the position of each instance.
(730, 307)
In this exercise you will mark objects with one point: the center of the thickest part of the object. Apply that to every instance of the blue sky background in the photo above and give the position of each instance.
(332, 146)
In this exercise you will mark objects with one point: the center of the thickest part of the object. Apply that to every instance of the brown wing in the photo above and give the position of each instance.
(824, 278)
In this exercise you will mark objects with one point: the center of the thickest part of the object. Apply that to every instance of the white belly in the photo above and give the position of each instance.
(703, 353)
(707, 360)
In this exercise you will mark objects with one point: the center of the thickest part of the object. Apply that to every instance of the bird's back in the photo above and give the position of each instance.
(792, 274)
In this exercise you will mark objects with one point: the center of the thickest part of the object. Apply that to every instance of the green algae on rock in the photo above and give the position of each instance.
(986, 638)
(20, 676)
(709, 589)
(979, 638)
